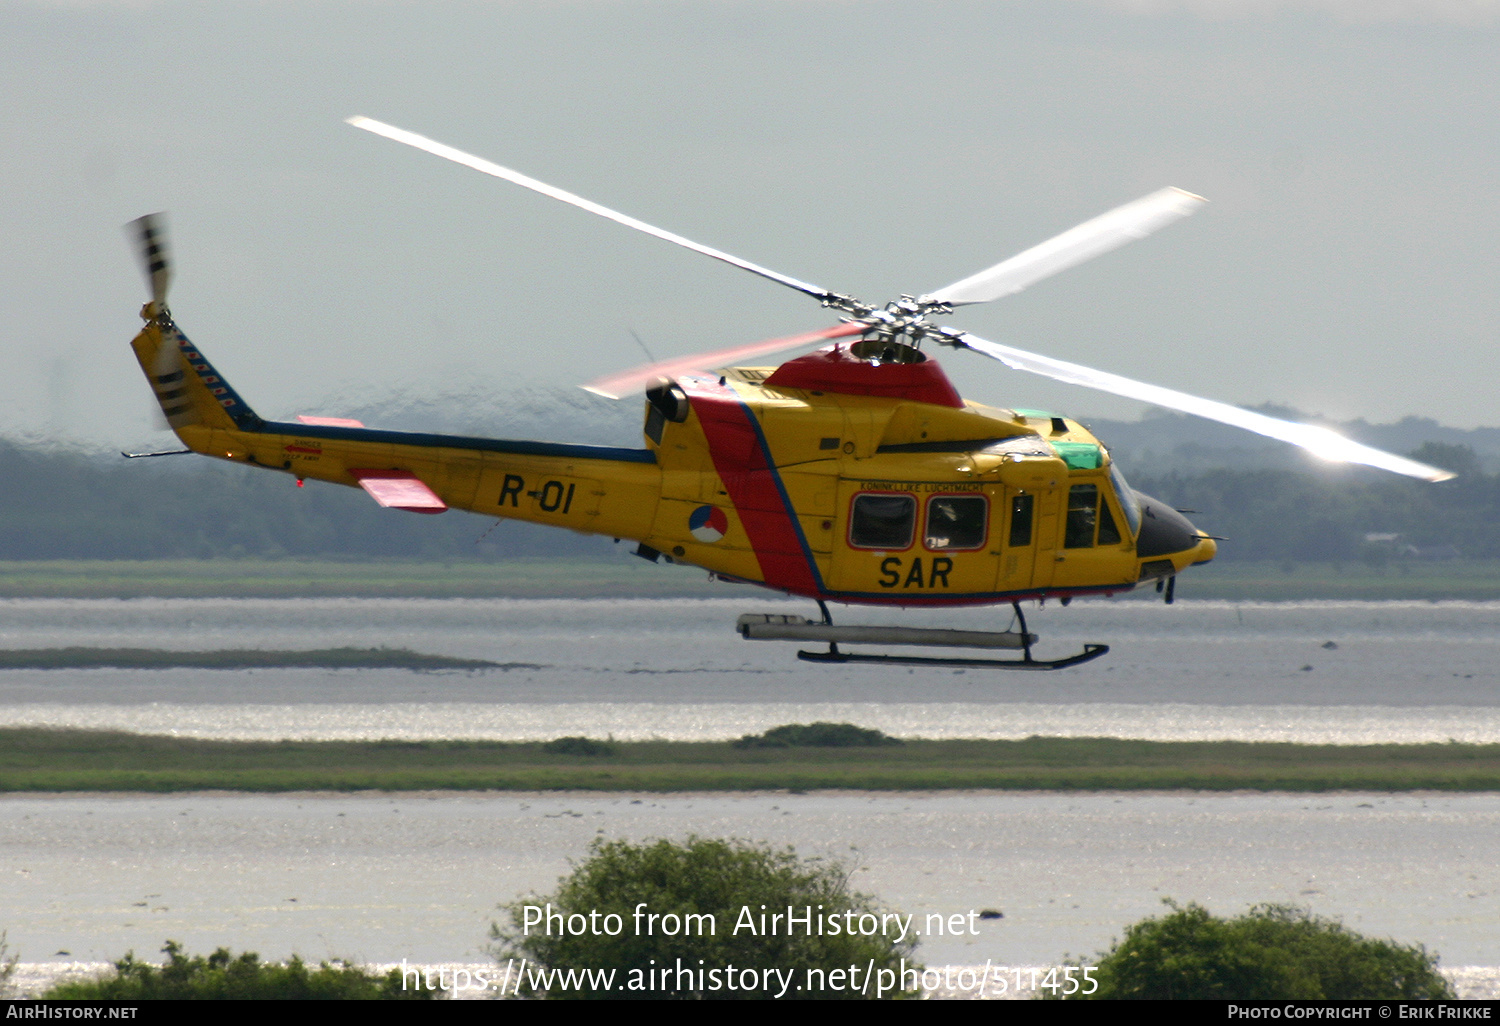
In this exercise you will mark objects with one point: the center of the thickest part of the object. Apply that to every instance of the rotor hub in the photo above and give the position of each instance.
(902, 321)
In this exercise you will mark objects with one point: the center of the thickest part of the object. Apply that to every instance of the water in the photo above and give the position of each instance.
(384, 877)
(1351, 672)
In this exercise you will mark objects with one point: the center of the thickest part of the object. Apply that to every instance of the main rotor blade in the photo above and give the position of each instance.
(1092, 238)
(616, 385)
(421, 142)
(1319, 441)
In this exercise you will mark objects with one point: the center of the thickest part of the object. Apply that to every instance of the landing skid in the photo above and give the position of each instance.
(833, 655)
(795, 628)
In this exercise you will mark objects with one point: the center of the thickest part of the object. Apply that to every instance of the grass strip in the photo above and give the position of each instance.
(240, 659)
(42, 759)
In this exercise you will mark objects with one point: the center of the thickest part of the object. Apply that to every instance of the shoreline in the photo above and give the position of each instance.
(437, 794)
(622, 577)
(231, 659)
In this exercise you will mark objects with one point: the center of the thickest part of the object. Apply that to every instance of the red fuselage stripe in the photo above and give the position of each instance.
(742, 463)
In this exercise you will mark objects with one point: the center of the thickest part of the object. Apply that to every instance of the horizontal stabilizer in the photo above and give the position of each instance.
(328, 421)
(399, 489)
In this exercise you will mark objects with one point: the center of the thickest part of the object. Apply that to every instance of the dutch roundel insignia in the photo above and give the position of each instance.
(708, 523)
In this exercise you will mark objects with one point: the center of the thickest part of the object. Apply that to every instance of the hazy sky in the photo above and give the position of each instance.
(1346, 265)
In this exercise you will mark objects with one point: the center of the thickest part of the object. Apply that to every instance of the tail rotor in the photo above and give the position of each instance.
(166, 367)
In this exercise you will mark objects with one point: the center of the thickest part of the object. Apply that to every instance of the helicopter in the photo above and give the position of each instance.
(854, 473)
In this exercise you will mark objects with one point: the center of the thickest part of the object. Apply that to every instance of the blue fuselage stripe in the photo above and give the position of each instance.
(512, 447)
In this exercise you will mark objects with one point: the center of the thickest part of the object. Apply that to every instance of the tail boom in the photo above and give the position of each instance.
(542, 482)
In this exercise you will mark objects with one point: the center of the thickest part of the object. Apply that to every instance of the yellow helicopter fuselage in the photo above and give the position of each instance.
(843, 475)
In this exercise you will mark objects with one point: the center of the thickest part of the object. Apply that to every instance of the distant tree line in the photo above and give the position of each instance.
(67, 505)
(1285, 514)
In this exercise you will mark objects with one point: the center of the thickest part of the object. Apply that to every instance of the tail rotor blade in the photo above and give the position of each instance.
(167, 366)
(1076, 245)
(1319, 441)
(616, 385)
(150, 234)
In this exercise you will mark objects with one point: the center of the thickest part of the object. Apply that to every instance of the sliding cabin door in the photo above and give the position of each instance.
(923, 540)
(1025, 532)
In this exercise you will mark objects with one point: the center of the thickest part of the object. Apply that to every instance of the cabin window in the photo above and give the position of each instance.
(1020, 521)
(1083, 516)
(1128, 502)
(1109, 534)
(957, 521)
(882, 521)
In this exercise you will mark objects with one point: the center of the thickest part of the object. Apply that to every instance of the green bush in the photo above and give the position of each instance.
(817, 735)
(708, 897)
(577, 746)
(223, 976)
(8, 963)
(1273, 952)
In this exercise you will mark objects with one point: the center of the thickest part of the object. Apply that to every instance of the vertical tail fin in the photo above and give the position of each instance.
(188, 389)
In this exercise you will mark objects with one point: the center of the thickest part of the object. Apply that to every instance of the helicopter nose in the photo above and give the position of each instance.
(1165, 532)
